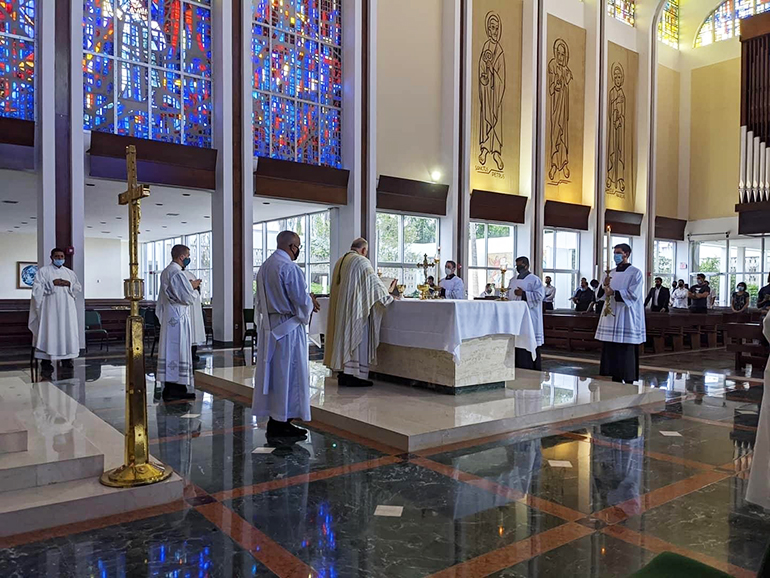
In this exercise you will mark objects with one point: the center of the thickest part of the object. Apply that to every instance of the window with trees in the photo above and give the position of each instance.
(147, 69)
(314, 231)
(668, 26)
(710, 258)
(17, 59)
(623, 10)
(561, 259)
(154, 256)
(297, 80)
(402, 242)
(724, 22)
(665, 262)
(490, 246)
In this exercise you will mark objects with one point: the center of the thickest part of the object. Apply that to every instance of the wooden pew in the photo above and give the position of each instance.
(657, 326)
(748, 344)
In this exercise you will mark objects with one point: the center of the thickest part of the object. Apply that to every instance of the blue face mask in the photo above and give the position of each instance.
(58, 262)
(186, 261)
(618, 258)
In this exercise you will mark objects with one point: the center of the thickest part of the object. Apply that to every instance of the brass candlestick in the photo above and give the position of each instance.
(137, 468)
(607, 299)
(503, 288)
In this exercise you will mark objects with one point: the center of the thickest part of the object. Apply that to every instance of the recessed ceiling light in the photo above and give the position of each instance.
(90, 227)
(24, 223)
(165, 227)
(159, 204)
(265, 203)
(146, 230)
(206, 217)
(185, 194)
(172, 214)
(118, 218)
(11, 202)
(90, 185)
(105, 232)
(33, 218)
(17, 227)
(184, 222)
(102, 222)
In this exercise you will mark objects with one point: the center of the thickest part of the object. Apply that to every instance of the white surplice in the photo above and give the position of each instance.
(196, 315)
(454, 288)
(627, 325)
(53, 317)
(282, 309)
(534, 293)
(758, 490)
(175, 296)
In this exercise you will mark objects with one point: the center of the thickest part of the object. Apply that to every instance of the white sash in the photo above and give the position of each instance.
(268, 338)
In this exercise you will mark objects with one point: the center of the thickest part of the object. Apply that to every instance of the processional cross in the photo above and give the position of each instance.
(137, 468)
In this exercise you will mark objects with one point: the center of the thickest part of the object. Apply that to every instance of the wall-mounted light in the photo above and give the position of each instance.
(435, 176)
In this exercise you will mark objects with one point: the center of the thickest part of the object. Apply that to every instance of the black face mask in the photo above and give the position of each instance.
(296, 255)
(520, 268)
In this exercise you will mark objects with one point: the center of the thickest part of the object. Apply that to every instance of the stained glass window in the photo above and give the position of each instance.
(297, 80)
(623, 10)
(725, 21)
(147, 69)
(17, 59)
(668, 26)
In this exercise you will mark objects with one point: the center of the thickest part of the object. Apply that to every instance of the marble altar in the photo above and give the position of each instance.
(453, 346)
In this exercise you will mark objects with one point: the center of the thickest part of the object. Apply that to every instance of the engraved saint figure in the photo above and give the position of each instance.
(491, 90)
(559, 78)
(616, 145)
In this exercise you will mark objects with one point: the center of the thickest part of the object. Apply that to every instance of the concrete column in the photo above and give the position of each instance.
(222, 200)
(247, 161)
(45, 146)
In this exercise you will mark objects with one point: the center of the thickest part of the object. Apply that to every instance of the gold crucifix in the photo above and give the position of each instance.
(137, 469)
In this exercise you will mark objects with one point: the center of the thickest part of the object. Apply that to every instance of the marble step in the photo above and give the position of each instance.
(33, 509)
(13, 435)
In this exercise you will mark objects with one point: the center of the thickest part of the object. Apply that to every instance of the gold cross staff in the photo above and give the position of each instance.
(137, 468)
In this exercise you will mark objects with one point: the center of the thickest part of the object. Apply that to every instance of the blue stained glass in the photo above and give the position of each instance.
(132, 101)
(260, 56)
(17, 17)
(98, 26)
(331, 75)
(307, 14)
(260, 11)
(17, 85)
(283, 15)
(197, 111)
(282, 64)
(307, 69)
(132, 30)
(282, 127)
(307, 133)
(260, 120)
(331, 21)
(331, 138)
(98, 94)
(166, 106)
(197, 40)
(165, 33)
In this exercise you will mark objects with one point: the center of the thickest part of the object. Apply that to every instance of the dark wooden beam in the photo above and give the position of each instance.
(755, 26)
(397, 194)
(63, 127)
(566, 215)
(491, 206)
(623, 222)
(670, 229)
(301, 182)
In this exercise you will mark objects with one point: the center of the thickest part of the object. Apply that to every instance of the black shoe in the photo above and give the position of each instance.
(68, 364)
(346, 380)
(297, 430)
(174, 392)
(46, 365)
(283, 429)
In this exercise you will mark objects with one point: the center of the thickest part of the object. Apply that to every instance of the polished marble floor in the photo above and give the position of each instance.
(590, 497)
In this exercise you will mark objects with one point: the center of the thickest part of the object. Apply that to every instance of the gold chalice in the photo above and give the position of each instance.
(401, 288)
(424, 291)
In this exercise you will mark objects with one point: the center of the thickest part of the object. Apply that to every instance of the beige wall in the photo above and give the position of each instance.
(714, 139)
(409, 100)
(667, 146)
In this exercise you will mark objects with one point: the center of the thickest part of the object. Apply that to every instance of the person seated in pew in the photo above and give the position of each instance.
(740, 299)
(452, 287)
(584, 296)
(489, 291)
(679, 298)
(432, 287)
(550, 295)
(763, 299)
(659, 296)
(699, 295)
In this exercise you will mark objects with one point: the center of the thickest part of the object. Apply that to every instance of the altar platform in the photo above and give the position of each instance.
(412, 419)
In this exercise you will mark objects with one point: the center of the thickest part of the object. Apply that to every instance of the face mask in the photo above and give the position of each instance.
(520, 268)
(448, 271)
(618, 258)
(186, 262)
(58, 262)
(489, 290)
(741, 289)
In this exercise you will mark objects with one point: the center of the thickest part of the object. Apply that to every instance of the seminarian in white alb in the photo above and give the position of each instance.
(358, 288)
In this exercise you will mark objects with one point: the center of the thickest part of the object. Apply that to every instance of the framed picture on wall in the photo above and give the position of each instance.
(25, 274)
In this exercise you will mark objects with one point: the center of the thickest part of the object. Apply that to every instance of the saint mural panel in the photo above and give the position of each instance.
(620, 178)
(496, 95)
(565, 109)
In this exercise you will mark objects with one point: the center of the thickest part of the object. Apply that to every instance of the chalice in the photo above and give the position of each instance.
(401, 288)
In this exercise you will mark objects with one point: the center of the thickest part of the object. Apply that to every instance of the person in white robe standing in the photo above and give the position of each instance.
(528, 287)
(758, 490)
(452, 286)
(282, 310)
(53, 317)
(198, 327)
(625, 329)
(356, 304)
(175, 296)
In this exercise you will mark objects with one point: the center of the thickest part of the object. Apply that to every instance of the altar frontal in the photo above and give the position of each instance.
(447, 345)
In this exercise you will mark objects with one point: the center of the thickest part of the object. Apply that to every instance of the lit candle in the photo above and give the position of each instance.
(379, 272)
(503, 265)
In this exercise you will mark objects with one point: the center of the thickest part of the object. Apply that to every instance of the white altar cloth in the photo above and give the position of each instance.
(443, 324)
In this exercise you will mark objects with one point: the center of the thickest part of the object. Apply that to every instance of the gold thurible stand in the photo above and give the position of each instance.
(137, 468)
